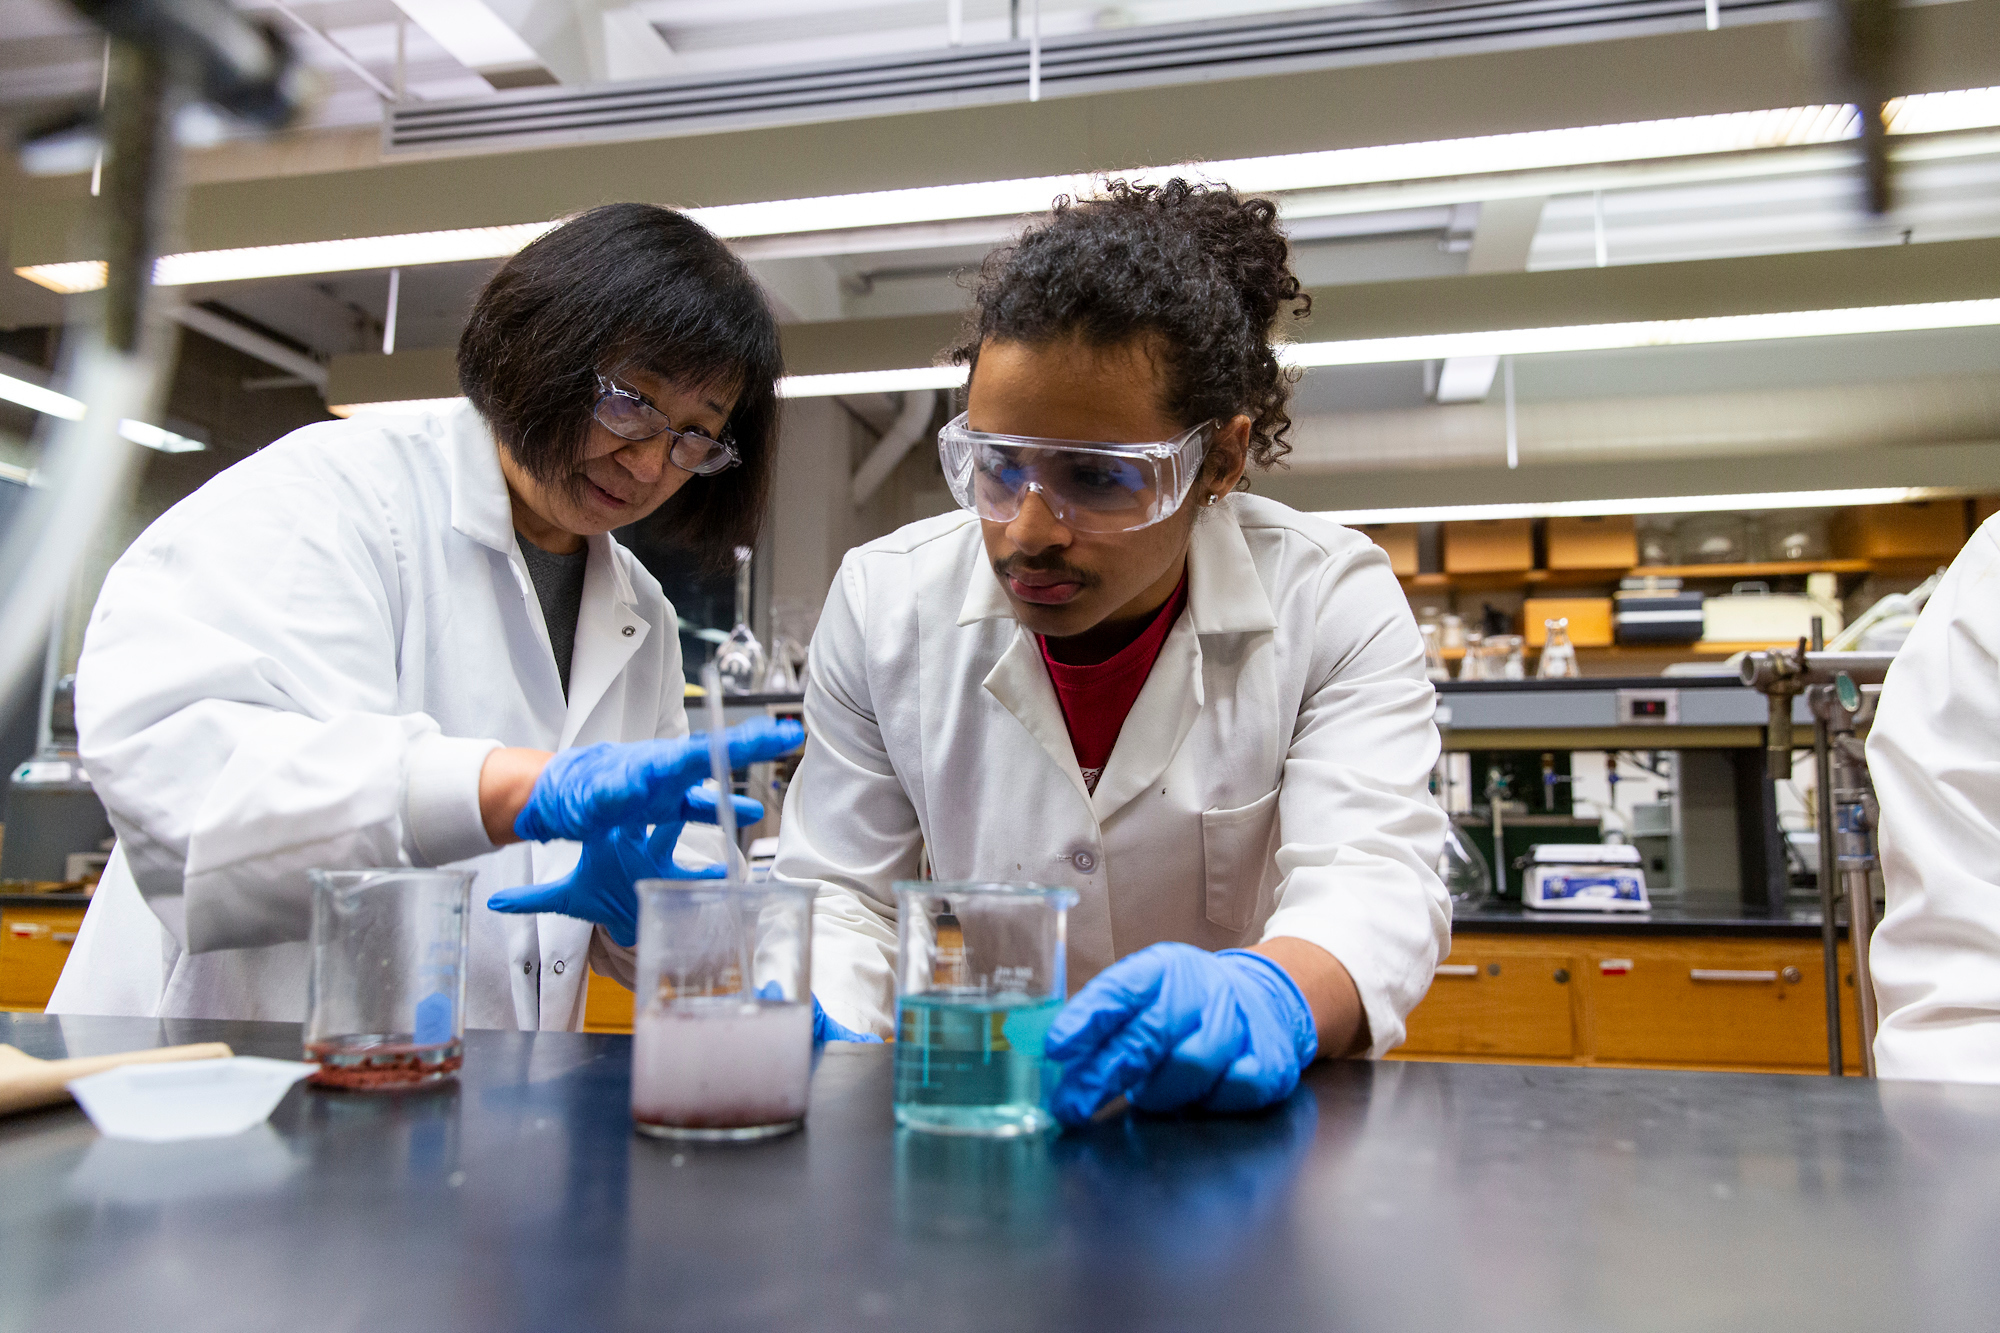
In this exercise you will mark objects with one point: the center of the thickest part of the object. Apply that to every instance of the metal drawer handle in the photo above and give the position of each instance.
(1726, 974)
(1457, 970)
(64, 937)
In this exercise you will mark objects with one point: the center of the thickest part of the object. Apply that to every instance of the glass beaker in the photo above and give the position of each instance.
(385, 999)
(1472, 666)
(981, 973)
(722, 1038)
(1434, 666)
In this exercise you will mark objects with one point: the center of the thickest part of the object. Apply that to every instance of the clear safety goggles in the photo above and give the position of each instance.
(1089, 487)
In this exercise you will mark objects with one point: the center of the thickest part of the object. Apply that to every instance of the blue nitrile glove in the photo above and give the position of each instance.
(598, 787)
(600, 888)
(825, 1029)
(1173, 1025)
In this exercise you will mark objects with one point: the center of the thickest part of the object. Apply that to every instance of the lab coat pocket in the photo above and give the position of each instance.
(1239, 854)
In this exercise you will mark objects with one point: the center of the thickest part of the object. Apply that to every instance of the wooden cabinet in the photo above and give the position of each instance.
(34, 945)
(607, 1006)
(1673, 1002)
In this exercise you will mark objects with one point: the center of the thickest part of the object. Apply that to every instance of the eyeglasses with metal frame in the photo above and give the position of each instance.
(630, 417)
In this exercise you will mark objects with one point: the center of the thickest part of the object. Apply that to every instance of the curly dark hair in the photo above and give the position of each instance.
(1201, 269)
(614, 288)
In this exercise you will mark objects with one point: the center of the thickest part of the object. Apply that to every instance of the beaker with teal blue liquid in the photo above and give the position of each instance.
(980, 976)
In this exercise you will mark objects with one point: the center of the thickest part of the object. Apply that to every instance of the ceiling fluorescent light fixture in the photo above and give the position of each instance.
(1646, 333)
(38, 399)
(153, 437)
(1657, 504)
(1485, 155)
(871, 381)
(51, 403)
(401, 407)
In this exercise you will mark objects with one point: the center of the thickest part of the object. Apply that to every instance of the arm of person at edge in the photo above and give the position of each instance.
(1361, 917)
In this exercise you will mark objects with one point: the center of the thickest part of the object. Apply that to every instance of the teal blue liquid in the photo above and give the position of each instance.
(974, 1066)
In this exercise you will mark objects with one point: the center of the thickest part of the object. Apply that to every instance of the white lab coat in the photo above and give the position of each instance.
(1934, 753)
(304, 664)
(1270, 780)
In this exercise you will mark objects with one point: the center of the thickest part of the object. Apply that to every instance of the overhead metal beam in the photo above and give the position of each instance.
(1967, 469)
(1757, 66)
(1690, 289)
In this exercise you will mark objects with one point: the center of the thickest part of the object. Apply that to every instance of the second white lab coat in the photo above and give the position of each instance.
(304, 664)
(1270, 780)
(1934, 753)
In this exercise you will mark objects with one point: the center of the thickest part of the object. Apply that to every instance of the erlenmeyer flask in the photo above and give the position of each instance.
(1463, 869)
(739, 659)
(1558, 654)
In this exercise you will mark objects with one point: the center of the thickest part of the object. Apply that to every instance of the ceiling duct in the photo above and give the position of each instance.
(1371, 32)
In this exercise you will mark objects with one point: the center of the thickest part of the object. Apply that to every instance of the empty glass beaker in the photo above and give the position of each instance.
(980, 976)
(722, 1037)
(385, 1000)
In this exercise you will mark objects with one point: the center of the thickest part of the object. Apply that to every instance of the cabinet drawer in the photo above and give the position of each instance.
(607, 1006)
(1498, 1004)
(1713, 1003)
(34, 945)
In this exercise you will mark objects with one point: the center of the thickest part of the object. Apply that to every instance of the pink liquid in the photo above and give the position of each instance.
(721, 1064)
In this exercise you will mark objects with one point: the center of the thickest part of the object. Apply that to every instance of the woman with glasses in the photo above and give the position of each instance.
(1205, 712)
(412, 640)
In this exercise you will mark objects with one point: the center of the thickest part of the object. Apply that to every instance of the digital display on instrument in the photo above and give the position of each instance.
(1649, 707)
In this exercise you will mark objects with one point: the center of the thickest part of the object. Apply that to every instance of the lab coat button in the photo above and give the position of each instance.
(1085, 861)
(527, 969)
(630, 630)
(559, 967)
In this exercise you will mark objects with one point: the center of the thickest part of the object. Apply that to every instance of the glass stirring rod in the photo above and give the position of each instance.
(718, 763)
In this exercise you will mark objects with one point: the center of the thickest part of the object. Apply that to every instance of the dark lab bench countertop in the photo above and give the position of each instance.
(44, 900)
(1390, 1196)
(1509, 918)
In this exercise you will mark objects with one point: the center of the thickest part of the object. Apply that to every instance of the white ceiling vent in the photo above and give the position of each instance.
(1370, 32)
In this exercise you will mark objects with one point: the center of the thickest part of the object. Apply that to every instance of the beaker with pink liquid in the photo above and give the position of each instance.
(722, 1034)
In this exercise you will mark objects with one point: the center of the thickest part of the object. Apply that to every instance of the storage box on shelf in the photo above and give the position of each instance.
(1489, 546)
(1635, 1001)
(1922, 528)
(1599, 542)
(1399, 540)
(1589, 620)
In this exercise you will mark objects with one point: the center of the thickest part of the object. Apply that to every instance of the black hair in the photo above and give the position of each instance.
(623, 287)
(1198, 268)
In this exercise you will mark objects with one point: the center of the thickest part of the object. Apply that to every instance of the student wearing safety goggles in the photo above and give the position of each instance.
(1204, 711)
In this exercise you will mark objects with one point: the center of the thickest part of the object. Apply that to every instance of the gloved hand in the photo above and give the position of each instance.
(825, 1029)
(1173, 1025)
(599, 787)
(600, 888)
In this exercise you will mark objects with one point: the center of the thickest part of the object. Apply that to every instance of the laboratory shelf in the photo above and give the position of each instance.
(1496, 580)
(1591, 713)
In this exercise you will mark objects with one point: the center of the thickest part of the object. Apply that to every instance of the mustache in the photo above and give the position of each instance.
(1021, 564)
